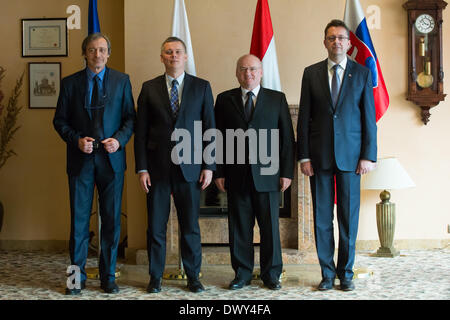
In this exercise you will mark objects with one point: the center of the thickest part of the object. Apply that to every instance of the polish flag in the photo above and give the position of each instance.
(180, 29)
(263, 46)
(363, 52)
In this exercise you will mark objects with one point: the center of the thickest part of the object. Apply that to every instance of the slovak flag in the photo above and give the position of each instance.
(263, 46)
(363, 52)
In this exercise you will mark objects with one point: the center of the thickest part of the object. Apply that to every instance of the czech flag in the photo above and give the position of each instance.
(263, 46)
(363, 52)
(93, 23)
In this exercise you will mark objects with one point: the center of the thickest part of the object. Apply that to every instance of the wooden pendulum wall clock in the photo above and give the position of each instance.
(425, 67)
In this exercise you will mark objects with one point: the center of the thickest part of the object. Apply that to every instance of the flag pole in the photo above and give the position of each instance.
(177, 274)
(362, 51)
(93, 273)
(180, 29)
(263, 46)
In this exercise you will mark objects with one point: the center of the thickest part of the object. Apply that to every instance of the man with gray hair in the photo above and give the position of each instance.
(251, 190)
(95, 117)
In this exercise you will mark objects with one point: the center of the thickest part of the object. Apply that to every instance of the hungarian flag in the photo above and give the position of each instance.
(363, 52)
(180, 29)
(93, 23)
(263, 46)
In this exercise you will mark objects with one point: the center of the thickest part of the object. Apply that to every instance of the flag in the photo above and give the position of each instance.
(363, 52)
(263, 46)
(180, 29)
(93, 23)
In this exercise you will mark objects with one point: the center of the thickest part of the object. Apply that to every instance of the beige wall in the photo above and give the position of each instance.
(33, 186)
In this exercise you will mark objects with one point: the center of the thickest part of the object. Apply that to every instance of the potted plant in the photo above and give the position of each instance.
(8, 125)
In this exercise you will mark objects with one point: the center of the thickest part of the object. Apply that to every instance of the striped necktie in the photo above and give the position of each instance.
(174, 103)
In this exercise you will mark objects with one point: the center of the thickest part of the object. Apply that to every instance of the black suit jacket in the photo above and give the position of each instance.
(346, 133)
(155, 125)
(271, 112)
(72, 120)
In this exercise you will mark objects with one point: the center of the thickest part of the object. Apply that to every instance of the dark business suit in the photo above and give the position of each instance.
(250, 193)
(153, 147)
(335, 138)
(73, 121)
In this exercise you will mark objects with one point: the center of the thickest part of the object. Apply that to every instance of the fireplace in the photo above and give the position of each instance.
(213, 203)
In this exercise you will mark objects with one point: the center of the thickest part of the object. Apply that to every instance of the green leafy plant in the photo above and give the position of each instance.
(8, 119)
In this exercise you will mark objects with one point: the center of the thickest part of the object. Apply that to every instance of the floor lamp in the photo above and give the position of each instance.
(388, 175)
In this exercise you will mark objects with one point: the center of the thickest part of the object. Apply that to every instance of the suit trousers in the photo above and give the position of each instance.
(244, 205)
(348, 201)
(186, 196)
(96, 170)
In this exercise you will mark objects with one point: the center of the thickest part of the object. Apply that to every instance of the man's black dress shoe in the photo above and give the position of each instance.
(194, 285)
(326, 284)
(74, 292)
(154, 286)
(109, 287)
(273, 284)
(238, 283)
(347, 285)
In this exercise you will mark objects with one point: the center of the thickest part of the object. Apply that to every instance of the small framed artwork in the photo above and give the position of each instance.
(44, 84)
(44, 37)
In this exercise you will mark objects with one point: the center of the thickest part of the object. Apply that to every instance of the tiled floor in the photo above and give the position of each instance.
(421, 274)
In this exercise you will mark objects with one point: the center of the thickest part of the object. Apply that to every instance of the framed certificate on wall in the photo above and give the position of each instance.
(44, 37)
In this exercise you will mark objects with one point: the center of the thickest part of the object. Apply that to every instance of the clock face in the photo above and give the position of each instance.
(425, 23)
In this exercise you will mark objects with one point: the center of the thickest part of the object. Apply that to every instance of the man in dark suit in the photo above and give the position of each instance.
(171, 103)
(95, 117)
(253, 187)
(337, 141)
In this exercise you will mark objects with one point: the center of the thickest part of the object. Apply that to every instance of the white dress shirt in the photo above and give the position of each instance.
(255, 94)
(180, 80)
(340, 71)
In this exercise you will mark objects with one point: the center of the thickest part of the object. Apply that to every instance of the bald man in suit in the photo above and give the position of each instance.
(253, 188)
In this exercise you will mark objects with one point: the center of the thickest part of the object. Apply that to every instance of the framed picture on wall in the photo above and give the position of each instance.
(44, 37)
(44, 84)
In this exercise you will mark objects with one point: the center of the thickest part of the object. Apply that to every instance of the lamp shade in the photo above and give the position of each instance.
(389, 174)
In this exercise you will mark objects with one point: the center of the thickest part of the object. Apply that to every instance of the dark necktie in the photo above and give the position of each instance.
(174, 103)
(249, 105)
(95, 89)
(97, 113)
(335, 84)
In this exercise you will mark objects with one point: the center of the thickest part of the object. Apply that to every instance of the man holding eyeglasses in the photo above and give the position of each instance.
(95, 117)
(336, 144)
(251, 193)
